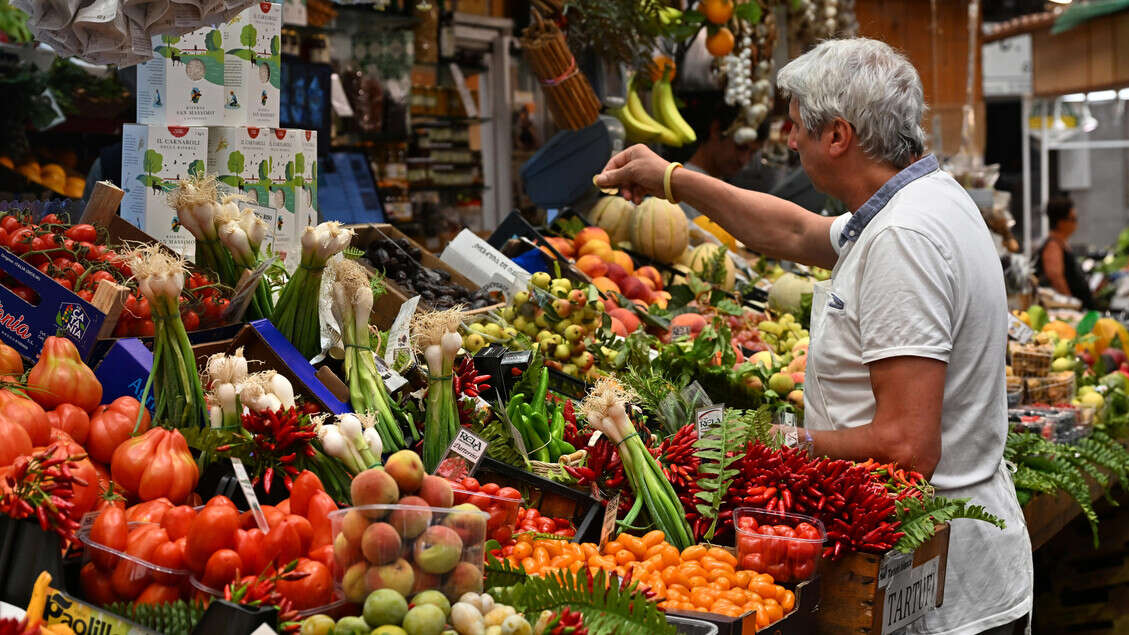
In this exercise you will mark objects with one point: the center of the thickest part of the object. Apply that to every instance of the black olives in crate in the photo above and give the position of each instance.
(399, 259)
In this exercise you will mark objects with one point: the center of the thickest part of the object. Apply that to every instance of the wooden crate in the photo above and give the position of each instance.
(850, 600)
(386, 308)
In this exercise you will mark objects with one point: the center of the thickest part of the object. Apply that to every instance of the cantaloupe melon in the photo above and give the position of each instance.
(702, 258)
(659, 229)
(613, 214)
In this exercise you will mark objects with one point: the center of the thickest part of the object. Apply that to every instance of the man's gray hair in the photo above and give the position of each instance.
(869, 85)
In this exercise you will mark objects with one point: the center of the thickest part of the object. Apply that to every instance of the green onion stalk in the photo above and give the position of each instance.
(605, 409)
(241, 232)
(352, 308)
(174, 379)
(437, 336)
(296, 313)
(197, 207)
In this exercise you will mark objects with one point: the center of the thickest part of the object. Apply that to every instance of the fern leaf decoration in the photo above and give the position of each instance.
(607, 609)
(500, 444)
(919, 518)
(500, 573)
(718, 450)
(176, 618)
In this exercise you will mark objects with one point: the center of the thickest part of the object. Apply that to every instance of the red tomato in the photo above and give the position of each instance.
(546, 525)
(304, 530)
(532, 513)
(212, 529)
(807, 531)
(490, 488)
(129, 578)
(250, 545)
(109, 529)
(169, 555)
(324, 555)
(149, 512)
(283, 506)
(111, 425)
(509, 492)
(70, 419)
(158, 594)
(273, 516)
(316, 589)
(502, 534)
(177, 520)
(470, 484)
(222, 567)
(786, 531)
(19, 409)
(221, 501)
(282, 545)
(802, 570)
(319, 508)
(83, 233)
(96, 587)
(304, 487)
(10, 224)
(480, 501)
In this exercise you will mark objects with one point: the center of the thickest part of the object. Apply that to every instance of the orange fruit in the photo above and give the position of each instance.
(693, 552)
(662, 65)
(654, 537)
(717, 11)
(720, 42)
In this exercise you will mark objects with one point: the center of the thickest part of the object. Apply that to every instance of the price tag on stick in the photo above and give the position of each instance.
(1017, 330)
(399, 336)
(708, 417)
(249, 494)
(462, 457)
(610, 513)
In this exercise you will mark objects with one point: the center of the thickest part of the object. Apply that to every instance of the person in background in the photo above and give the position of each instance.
(716, 153)
(1056, 265)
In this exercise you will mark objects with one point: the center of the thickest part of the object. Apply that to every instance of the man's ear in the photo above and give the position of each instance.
(715, 130)
(840, 136)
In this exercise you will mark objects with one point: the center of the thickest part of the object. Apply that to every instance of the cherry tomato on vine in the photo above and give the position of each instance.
(83, 233)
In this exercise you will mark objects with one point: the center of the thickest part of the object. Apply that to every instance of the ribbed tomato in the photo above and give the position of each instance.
(28, 414)
(111, 425)
(70, 419)
(61, 377)
(155, 464)
(14, 441)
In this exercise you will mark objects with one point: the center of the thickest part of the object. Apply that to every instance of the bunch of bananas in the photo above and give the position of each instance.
(666, 126)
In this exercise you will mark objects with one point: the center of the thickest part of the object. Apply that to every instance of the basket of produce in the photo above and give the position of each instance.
(1031, 360)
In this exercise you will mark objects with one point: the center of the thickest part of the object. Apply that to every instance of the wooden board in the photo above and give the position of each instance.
(850, 600)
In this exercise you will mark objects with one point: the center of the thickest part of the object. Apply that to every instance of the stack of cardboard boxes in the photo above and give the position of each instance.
(209, 101)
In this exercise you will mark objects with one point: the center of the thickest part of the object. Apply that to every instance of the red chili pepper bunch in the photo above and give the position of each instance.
(42, 486)
(678, 460)
(566, 622)
(604, 468)
(468, 383)
(853, 505)
(262, 591)
(901, 483)
(274, 441)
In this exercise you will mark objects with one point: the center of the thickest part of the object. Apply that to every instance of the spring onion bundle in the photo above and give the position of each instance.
(174, 379)
(605, 409)
(437, 336)
(242, 233)
(352, 440)
(195, 202)
(225, 373)
(296, 314)
(352, 307)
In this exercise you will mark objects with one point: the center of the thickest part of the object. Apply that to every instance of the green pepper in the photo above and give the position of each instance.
(542, 389)
(515, 401)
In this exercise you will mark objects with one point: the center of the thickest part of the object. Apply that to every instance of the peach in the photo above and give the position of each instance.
(380, 543)
(634, 288)
(615, 273)
(652, 274)
(406, 468)
(618, 327)
(424, 581)
(627, 317)
(597, 248)
(605, 285)
(345, 552)
(592, 266)
(397, 576)
(469, 522)
(660, 298)
(465, 578)
(353, 525)
(437, 491)
(798, 377)
(353, 582)
(796, 398)
(563, 246)
(437, 550)
(374, 487)
(622, 259)
(588, 234)
(693, 320)
(647, 282)
(410, 522)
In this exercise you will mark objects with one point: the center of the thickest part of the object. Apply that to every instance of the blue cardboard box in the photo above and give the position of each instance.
(25, 326)
(124, 371)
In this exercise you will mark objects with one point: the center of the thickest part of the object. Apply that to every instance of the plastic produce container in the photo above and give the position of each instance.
(129, 571)
(789, 547)
(333, 609)
(503, 511)
(687, 626)
(1029, 360)
(408, 548)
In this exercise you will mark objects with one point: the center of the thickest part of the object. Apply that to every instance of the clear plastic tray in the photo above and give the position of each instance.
(503, 511)
(129, 571)
(331, 609)
(687, 626)
(785, 559)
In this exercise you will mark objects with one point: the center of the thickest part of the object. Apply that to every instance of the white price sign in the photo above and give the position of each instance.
(708, 417)
(610, 513)
(1017, 330)
(393, 380)
(398, 336)
(462, 456)
(249, 494)
(910, 594)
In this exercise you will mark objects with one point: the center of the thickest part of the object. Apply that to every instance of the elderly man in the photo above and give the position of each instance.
(906, 362)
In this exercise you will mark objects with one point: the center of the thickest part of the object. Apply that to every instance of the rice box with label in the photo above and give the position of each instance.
(154, 161)
(184, 82)
(295, 12)
(240, 157)
(306, 183)
(282, 144)
(253, 43)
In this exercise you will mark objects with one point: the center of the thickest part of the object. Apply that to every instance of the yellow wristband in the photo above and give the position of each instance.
(666, 180)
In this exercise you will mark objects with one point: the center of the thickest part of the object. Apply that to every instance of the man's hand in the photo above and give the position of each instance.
(637, 172)
(908, 395)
